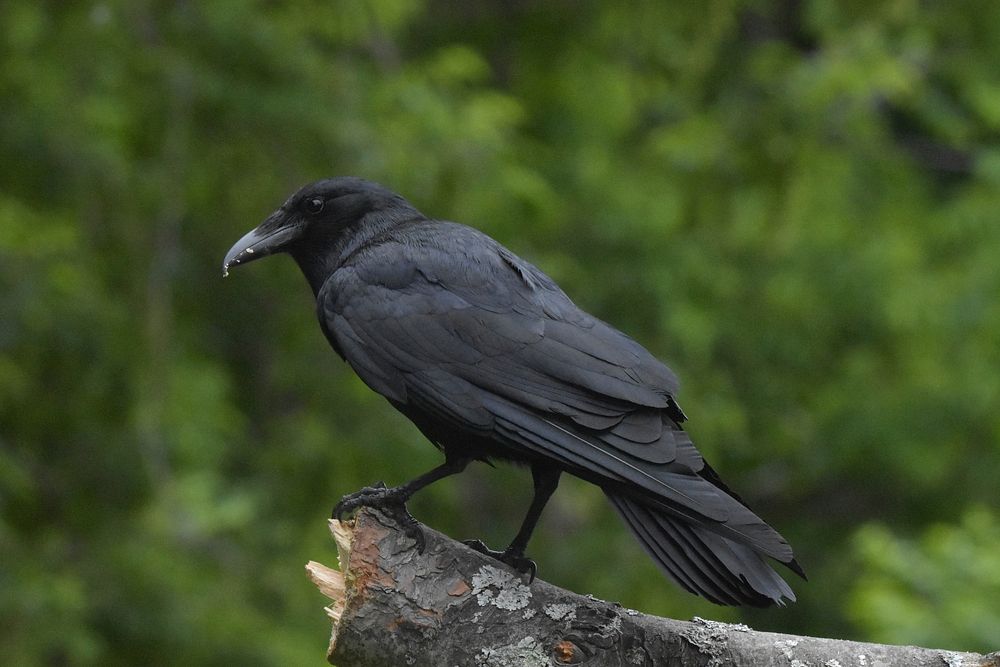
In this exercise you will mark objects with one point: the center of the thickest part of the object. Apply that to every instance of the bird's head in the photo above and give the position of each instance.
(315, 222)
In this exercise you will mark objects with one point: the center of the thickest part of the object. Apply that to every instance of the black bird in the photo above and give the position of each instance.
(491, 360)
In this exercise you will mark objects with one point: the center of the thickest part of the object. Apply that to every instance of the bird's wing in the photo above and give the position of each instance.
(475, 337)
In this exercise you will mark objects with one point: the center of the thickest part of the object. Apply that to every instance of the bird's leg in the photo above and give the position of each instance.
(546, 479)
(393, 499)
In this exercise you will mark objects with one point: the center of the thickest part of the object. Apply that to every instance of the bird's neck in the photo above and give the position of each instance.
(316, 266)
(319, 260)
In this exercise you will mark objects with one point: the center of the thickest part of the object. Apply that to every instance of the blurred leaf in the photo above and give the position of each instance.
(939, 590)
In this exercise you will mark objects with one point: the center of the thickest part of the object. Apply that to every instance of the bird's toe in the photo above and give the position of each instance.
(518, 561)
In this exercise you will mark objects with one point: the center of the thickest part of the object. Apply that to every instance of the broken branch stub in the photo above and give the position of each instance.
(451, 605)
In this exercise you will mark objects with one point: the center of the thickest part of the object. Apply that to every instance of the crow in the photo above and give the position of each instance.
(491, 360)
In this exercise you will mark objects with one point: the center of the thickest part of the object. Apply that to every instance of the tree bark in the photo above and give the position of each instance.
(451, 605)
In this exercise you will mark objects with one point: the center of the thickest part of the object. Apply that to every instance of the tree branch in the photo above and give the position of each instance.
(451, 605)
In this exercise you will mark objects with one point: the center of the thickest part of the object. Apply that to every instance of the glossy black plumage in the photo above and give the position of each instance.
(491, 360)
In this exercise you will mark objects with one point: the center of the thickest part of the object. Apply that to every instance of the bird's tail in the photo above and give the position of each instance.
(701, 561)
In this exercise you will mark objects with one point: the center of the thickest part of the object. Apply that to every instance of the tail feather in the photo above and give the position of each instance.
(702, 561)
(670, 555)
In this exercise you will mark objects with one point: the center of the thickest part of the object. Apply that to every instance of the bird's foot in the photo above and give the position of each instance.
(390, 500)
(518, 561)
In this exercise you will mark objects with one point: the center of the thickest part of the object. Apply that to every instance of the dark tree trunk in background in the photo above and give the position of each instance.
(453, 606)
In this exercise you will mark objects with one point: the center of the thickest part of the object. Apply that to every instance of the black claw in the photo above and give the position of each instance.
(409, 525)
(517, 561)
(521, 564)
(532, 569)
(376, 495)
(480, 546)
(391, 500)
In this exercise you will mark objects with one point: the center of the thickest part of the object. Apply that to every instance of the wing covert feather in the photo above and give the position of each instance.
(500, 349)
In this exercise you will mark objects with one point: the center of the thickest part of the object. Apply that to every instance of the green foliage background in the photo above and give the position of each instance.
(793, 203)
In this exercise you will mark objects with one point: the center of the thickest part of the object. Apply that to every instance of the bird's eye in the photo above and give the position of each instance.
(314, 205)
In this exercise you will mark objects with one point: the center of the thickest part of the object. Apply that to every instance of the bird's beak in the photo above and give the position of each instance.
(271, 236)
